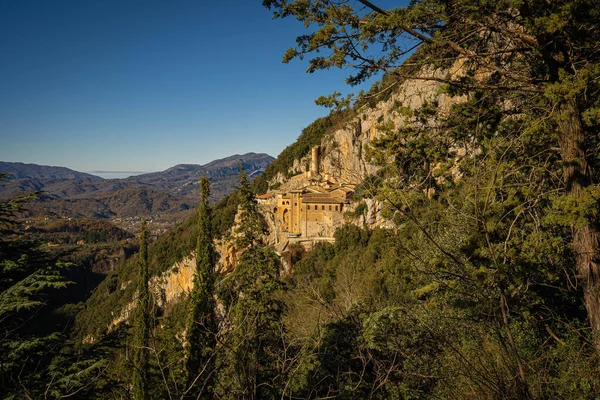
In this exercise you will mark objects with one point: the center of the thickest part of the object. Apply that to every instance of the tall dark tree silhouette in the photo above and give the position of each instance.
(201, 326)
(142, 323)
(249, 367)
(251, 225)
(29, 278)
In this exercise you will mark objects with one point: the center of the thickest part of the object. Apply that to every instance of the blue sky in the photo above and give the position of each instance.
(142, 85)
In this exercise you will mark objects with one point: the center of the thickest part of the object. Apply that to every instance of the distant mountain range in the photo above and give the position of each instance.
(68, 193)
(17, 170)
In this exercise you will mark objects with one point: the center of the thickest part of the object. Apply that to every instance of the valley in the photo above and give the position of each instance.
(167, 198)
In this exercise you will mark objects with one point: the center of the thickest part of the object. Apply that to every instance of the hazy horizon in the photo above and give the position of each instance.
(117, 174)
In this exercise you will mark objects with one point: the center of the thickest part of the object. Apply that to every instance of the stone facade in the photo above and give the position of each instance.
(313, 208)
(311, 211)
(308, 212)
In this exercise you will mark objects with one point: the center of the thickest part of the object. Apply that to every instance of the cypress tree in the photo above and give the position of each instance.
(201, 326)
(142, 322)
(249, 365)
(251, 226)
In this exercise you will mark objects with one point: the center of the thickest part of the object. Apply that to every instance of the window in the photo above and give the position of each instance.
(323, 207)
(329, 208)
(336, 208)
(307, 208)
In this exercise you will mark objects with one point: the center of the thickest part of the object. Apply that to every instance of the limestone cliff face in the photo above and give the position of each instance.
(177, 281)
(343, 153)
(164, 288)
(173, 283)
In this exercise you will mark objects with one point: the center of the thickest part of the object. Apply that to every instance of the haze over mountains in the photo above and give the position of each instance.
(68, 193)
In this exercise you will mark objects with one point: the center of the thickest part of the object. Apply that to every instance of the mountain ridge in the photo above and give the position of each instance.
(156, 194)
(20, 170)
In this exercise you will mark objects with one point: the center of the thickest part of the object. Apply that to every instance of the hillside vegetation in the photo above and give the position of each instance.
(485, 286)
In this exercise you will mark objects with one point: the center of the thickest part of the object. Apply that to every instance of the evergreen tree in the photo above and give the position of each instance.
(201, 326)
(29, 278)
(250, 226)
(142, 323)
(249, 365)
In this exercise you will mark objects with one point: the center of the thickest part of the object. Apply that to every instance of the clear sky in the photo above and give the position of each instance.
(142, 85)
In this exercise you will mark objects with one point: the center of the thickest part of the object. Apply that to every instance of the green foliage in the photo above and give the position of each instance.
(83, 371)
(251, 226)
(70, 231)
(477, 292)
(248, 359)
(141, 322)
(250, 364)
(117, 288)
(353, 321)
(359, 211)
(223, 214)
(170, 353)
(201, 325)
(29, 277)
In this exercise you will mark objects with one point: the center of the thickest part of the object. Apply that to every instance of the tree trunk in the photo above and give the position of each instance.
(585, 238)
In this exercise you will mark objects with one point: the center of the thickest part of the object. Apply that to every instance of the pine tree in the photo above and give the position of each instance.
(201, 326)
(142, 323)
(29, 277)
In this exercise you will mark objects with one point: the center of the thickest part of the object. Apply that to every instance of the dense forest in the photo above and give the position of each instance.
(487, 287)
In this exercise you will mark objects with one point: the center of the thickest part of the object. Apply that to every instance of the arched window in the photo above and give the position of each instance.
(275, 210)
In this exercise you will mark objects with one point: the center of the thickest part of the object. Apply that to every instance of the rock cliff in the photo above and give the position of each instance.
(343, 154)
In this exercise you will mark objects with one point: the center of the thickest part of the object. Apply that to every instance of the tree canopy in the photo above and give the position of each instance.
(29, 277)
(531, 66)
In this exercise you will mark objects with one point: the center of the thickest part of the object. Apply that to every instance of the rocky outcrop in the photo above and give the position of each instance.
(164, 288)
(343, 153)
(343, 156)
(176, 281)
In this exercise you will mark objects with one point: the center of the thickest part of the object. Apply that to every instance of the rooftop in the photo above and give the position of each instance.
(320, 198)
